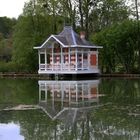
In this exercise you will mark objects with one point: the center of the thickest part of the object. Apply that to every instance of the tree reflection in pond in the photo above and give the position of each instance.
(114, 116)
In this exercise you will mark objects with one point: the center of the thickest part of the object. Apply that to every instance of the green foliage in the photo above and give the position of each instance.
(9, 67)
(42, 18)
(32, 30)
(107, 54)
(14, 91)
(4, 67)
(6, 30)
(106, 13)
(5, 49)
(120, 43)
(26, 36)
(6, 26)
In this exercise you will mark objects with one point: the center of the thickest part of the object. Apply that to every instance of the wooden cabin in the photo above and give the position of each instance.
(68, 53)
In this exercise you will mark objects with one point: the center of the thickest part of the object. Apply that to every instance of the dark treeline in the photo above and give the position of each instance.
(114, 24)
(6, 31)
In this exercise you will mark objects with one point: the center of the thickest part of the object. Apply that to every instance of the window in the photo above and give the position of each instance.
(42, 58)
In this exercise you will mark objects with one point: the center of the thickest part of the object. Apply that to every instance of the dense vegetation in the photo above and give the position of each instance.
(114, 24)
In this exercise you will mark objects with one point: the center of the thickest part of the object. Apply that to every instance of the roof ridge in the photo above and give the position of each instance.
(73, 36)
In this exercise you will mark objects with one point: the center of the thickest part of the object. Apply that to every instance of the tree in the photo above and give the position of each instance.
(6, 26)
(6, 30)
(28, 34)
(126, 45)
(32, 29)
(6, 50)
(44, 17)
(106, 13)
(69, 12)
(107, 54)
(137, 4)
(134, 7)
(120, 46)
(85, 8)
(54, 9)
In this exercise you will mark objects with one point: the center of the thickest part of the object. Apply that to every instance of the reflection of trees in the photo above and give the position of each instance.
(34, 124)
(120, 116)
(107, 122)
(18, 91)
(122, 91)
(118, 119)
(115, 121)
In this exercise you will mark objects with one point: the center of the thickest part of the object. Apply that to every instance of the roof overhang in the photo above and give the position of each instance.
(76, 46)
(38, 47)
(84, 46)
(67, 46)
(52, 36)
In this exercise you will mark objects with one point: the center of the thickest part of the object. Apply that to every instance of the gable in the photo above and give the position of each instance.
(51, 40)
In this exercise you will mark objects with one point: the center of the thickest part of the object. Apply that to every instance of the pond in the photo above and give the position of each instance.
(97, 109)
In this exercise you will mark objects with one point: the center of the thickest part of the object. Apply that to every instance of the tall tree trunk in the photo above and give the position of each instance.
(81, 14)
(87, 18)
(54, 20)
(137, 11)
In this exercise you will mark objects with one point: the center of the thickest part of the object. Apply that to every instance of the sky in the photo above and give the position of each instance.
(10, 131)
(11, 8)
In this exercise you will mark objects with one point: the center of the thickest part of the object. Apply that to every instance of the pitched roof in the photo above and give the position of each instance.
(68, 37)
(62, 39)
(73, 38)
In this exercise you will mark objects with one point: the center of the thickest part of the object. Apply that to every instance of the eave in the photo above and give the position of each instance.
(52, 36)
(75, 46)
(67, 46)
(84, 46)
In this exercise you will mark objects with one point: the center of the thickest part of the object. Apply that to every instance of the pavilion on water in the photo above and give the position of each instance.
(68, 53)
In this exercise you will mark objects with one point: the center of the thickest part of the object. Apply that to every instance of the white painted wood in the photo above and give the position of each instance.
(45, 60)
(62, 58)
(39, 58)
(52, 55)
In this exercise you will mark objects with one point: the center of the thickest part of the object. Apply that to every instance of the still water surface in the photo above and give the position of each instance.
(98, 109)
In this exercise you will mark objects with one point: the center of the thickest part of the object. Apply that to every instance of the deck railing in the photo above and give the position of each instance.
(64, 67)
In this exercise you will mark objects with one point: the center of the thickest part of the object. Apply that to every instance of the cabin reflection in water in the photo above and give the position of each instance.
(68, 99)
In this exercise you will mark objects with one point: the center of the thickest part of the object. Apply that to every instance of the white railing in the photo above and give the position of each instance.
(42, 67)
(64, 67)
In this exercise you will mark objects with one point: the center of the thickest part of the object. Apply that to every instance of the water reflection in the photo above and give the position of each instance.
(68, 101)
(70, 109)
(10, 130)
(81, 113)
